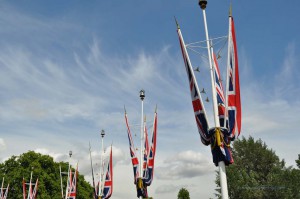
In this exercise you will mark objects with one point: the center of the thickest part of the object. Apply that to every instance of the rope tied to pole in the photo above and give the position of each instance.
(218, 139)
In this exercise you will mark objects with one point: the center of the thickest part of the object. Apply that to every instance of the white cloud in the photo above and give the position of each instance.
(2, 145)
(186, 164)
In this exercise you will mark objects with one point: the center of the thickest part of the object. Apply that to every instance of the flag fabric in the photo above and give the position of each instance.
(72, 184)
(219, 91)
(108, 184)
(199, 111)
(150, 165)
(146, 151)
(233, 105)
(220, 145)
(217, 137)
(134, 159)
(24, 188)
(5, 193)
(32, 193)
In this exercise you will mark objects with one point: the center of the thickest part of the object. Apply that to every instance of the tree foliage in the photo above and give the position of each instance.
(259, 173)
(183, 194)
(46, 170)
(298, 161)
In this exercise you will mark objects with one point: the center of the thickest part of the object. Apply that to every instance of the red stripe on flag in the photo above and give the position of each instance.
(197, 105)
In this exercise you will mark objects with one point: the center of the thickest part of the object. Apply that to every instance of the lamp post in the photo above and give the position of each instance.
(221, 164)
(142, 96)
(102, 133)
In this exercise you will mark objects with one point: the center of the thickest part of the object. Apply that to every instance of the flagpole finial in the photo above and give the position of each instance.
(142, 94)
(202, 4)
(230, 10)
(176, 23)
(102, 133)
(70, 153)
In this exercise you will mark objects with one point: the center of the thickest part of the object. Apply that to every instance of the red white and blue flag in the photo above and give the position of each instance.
(72, 184)
(108, 183)
(197, 102)
(134, 159)
(150, 165)
(32, 192)
(219, 90)
(4, 191)
(146, 151)
(233, 105)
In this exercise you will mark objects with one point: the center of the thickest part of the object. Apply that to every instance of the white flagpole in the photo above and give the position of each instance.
(222, 172)
(30, 188)
(2, 188)
(101, 167)
(142, 96)
(61, 185)
(69, 169)
(228, 67)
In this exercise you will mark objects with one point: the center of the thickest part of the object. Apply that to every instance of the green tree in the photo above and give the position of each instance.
(298, 161)
(45, 169)
(183, 194)
(259, 173)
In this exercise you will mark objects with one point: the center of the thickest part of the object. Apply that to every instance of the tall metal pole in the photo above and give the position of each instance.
(68, 183)
(101, 165)
(142, 96)
(222, 171)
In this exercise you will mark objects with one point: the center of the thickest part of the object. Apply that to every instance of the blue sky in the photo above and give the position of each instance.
(69, 67)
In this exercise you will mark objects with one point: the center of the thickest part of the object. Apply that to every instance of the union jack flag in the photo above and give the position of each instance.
(32, 193)
(234, 111)
(150, 165)
(146, 151)
(220, 91)
(3, 195)
(72, 184)
(197, 102)
(134, 159)
(108, 184)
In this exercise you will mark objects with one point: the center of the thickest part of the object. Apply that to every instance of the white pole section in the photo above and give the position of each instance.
(2, 188)
(214, 95)
(222, 171)
(101, 164)
(30, 188)
(142, 96)
(61, 184)
(228, 68)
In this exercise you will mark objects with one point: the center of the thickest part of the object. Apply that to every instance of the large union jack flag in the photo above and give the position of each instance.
(150, 165)
(134, 159)
(197, 102)
(108, 183)
(233, 87)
